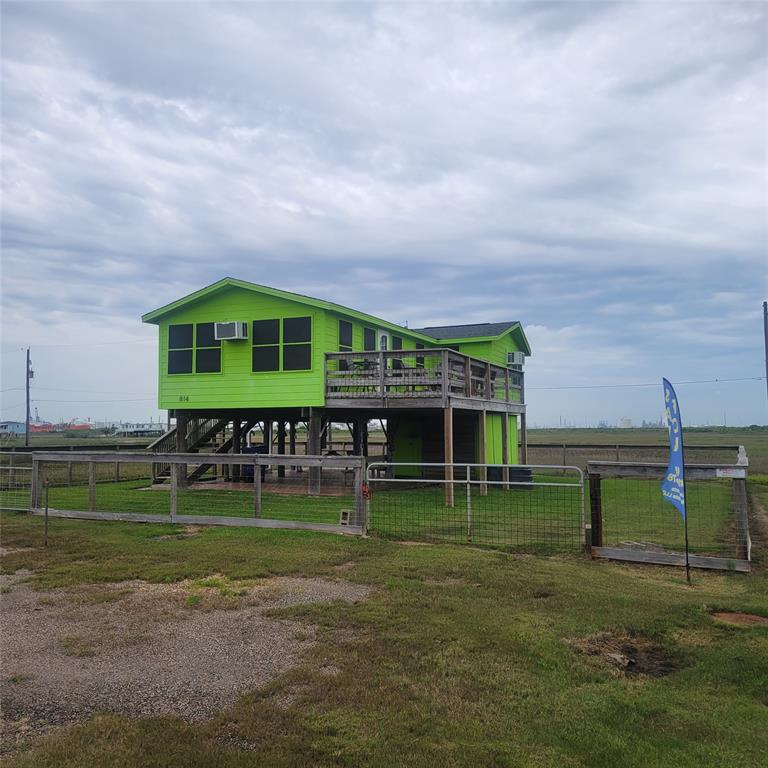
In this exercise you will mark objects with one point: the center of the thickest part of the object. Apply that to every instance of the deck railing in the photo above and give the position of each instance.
(416, 374)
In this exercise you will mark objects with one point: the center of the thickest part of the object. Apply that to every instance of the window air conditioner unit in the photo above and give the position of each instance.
(516, 359)
(230, 331)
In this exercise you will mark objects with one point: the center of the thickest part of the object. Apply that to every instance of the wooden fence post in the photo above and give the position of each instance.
(35, 484)
(741, 515)
(91, 486)
(359, 499)
(256, 488)
(596, 510)
(174, 492)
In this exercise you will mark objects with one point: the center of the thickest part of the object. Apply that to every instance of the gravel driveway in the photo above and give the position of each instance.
(186, 649)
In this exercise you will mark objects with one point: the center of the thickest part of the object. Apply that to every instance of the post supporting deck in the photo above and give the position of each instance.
(481, 456)
(182, 427)
(448, 459)
(281, 446)
(237, 446)
(315, 425)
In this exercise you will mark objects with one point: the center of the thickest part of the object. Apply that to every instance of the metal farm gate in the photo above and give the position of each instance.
(509, 507)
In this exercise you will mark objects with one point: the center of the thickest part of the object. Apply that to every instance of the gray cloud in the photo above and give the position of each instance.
(551, 161)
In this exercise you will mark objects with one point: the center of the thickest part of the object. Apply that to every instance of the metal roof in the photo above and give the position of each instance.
(466, 331)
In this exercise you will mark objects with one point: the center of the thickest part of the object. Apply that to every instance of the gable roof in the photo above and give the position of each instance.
(230, 282)
(470, 331)
(478, 332)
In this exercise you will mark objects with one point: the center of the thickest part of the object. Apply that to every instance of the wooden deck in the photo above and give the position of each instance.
(425, 378)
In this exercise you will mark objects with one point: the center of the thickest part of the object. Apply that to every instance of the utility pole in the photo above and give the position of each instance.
(765, 336)
(29, 375)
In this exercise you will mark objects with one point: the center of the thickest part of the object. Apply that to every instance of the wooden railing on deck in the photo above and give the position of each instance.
(423, 373)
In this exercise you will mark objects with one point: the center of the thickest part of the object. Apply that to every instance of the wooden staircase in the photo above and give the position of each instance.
(225, 447)
(200, 432)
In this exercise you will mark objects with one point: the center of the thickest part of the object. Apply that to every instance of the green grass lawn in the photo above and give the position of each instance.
(634, 511)
(459, 657)
(136, 496)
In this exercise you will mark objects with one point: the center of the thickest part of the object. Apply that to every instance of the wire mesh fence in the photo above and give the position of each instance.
(15, 487)
(289, 491)
(521, 508)
(630, 519)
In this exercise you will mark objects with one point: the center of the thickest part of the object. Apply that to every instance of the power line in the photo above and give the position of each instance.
(84, 391)
(93, 344)
(137, 400)
(649, 384)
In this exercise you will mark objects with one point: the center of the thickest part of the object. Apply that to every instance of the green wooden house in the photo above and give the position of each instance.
(235, 354)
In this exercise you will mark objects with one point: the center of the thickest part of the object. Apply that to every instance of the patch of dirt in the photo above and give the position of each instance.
(740, 619)
(140, 649)
(628, 654)
(188, 532)
(14, 550)
(542, 594)
(414, 543)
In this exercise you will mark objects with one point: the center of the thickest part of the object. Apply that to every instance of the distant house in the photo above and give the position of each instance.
(235, 354)
(139, 430)
(11, 428)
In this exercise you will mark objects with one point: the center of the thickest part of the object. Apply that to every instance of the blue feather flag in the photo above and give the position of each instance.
(673, 485)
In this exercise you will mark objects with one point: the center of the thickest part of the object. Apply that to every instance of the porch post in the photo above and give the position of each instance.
(313, 449)
(448, 454)
(523, 428)
(481, 438)
(182, 427)
(237, 446)
(505, 450)
(281, 446)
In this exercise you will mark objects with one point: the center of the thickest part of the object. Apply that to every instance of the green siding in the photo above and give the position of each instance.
(493, 439)
(407, 446)
(237, 386)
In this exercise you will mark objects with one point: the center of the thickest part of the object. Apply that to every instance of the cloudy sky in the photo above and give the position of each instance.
(596, 170)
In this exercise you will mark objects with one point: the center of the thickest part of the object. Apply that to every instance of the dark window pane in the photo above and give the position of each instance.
(266, 358)
(297, 329)
(369, 339)
(397, 342)
(208, 361)
(297, 357)
(343, 365)
(205, 336)
(180, 361)
(345, 334)
(266, 332)
(180, 336)
(419, 360)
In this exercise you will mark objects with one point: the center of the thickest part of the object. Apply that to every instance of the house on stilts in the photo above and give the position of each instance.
(236, 354)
